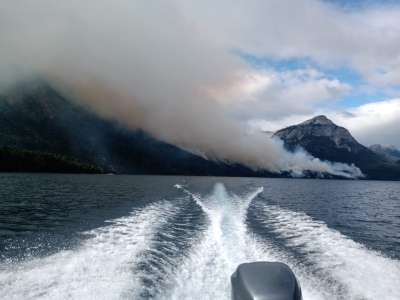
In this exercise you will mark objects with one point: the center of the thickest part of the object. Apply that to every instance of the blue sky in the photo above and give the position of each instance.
(359, 4)
(356, 97)
(344, 74)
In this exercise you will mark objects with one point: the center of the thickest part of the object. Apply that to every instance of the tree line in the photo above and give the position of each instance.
(16, 160)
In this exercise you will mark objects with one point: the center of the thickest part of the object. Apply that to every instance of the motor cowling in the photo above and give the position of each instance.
(265, 281)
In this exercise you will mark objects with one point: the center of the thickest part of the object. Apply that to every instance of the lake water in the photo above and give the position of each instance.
(163, 237)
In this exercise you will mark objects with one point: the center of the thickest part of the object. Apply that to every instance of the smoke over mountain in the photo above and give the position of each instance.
(149, 65)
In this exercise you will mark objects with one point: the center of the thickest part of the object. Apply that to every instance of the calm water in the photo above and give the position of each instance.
(155, 237)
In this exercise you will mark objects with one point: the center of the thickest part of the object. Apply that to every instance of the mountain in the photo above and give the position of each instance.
(42, 131)
(325, 140)
(34, 117)
(390, 152)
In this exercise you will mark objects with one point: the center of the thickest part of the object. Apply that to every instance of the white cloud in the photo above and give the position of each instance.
(367, 40)
(270, 94)
(373, 123)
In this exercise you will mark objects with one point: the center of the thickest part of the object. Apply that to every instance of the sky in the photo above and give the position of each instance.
(338, 58)
(210, 76)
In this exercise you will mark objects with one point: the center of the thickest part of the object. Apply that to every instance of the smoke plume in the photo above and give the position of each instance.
(149, 65)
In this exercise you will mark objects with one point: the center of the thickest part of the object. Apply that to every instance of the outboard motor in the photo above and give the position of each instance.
(265, 281)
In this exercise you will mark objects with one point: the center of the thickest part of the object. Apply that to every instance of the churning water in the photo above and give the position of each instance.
(143, 237)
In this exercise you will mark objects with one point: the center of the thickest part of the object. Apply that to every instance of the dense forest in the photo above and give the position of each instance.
(14, 160)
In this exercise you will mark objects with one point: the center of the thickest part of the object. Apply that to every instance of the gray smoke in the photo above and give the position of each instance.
(149, 66)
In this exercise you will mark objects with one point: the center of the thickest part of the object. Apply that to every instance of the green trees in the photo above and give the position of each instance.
(13, 160)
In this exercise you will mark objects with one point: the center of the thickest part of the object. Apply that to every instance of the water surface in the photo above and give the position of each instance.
(163, 237)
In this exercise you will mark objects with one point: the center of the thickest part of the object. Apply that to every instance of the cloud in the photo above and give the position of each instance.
(367, 39)
(373, 123)
(163, 67)
(269, 94)
(364, 39)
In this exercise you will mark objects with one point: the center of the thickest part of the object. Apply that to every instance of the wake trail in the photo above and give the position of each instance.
(188, 248)
(102, 268)
(205, 274)
(342, 268)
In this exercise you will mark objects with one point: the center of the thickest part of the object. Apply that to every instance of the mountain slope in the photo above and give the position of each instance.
(327, 141)
(33, 116)
(390, 152)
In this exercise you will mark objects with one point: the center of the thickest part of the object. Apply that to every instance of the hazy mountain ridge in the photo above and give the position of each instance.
(325, 140)
(35, 117)
(389, 152)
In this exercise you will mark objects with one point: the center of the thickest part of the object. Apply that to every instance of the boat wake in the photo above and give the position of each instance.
(205, 274)
(102, 268)
(188, 247)
(341, 267)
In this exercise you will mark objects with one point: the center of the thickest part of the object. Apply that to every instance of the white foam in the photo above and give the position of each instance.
(199, 265)
(346, 269)
(205, 274)
(100, 269)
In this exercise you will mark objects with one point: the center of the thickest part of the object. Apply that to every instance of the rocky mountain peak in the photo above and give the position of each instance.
(379, 147)
(318, 127)
(318, 120)
(376, 147)
(325, 140)
(392, 148)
